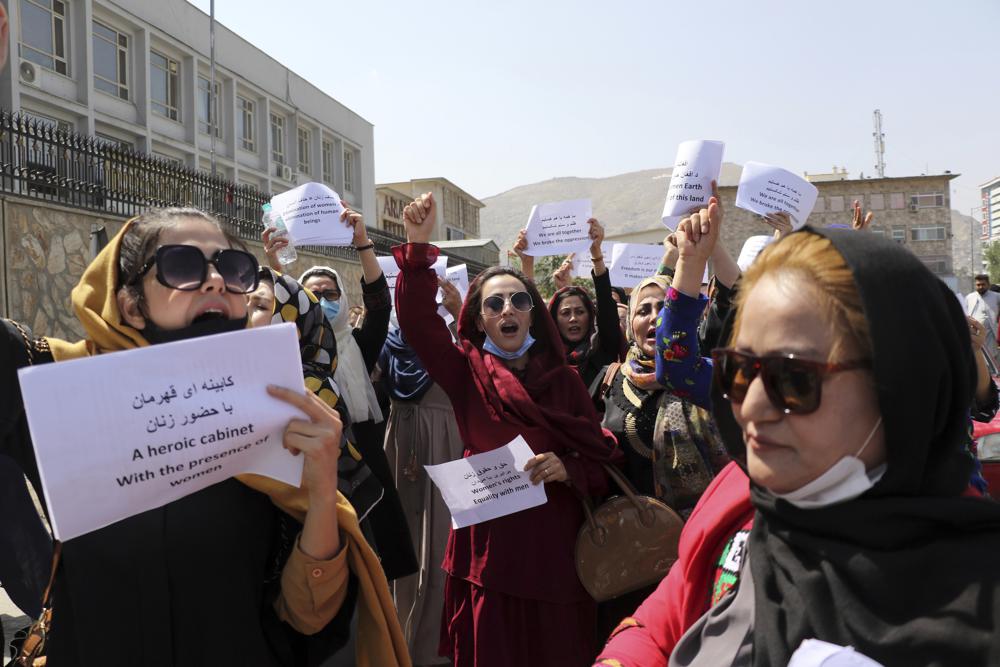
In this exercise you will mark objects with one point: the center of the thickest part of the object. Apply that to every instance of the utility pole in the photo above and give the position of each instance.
(212, 121)
(879, 145)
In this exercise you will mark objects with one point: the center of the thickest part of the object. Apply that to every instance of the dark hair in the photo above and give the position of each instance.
(983, 276)
(622, 294)
(474, 301)
(139, 242)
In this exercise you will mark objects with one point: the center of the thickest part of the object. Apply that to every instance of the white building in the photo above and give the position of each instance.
(138, 73)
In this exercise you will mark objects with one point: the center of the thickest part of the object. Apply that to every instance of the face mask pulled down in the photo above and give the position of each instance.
(494, 349)
(845, 480)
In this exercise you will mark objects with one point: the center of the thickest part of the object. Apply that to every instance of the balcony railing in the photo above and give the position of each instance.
(39, 161)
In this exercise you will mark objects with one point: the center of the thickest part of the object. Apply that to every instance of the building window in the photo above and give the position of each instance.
(163, 88)
(208, 108)
(120, 143)
(348, 170)
(929, 233)
(455, 234)
(110, 61)
(938, 266)
(820, 205)
(837, 203)
(896, 200)
(899, 234)
(277, 139)
(328, 161)
(305, 138)
(926, 201)
(876, 202)
(877, 232)
(43, 34)
(394, 228)
(55, 123)
(247, 119)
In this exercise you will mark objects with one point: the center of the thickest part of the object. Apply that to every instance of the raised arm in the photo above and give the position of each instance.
(527, 261)
(416, 308)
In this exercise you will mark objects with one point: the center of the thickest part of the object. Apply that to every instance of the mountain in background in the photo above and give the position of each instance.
(623, 203)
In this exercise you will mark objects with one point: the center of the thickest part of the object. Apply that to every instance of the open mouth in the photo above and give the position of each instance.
(509, 328)
(212, 314)
(574, 330)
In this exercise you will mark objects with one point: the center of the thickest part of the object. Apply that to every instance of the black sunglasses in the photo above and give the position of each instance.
(494, 305)
(185, 268)
(793, 385)
(329, 295)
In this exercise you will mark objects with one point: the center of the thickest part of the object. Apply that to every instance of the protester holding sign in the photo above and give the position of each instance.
(855, 475)
(201, 564)
(590, 333)
(512, 596)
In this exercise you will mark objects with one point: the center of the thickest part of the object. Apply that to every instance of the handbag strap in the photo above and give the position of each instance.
(56, 554)
(29, 348)
(609, 377)
(627, 489)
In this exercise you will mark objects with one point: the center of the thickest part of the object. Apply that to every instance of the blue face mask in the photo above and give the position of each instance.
(492, 348)
(330, 308)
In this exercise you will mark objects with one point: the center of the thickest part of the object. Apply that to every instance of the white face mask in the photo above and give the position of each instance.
(845, 480)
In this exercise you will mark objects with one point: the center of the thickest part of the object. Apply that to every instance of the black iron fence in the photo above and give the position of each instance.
(39, 161)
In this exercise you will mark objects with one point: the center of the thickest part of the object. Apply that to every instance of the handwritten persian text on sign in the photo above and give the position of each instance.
(765, 189)
(698, 163)
(312, 214)
(558, 228)
(489, 485)
(119, 434)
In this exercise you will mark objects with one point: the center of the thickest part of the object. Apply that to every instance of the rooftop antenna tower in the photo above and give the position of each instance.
(879, 145)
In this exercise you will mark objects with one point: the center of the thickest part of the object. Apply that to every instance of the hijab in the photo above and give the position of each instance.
(640, 368)
(404, 375)
(352, 373)
(379, 640)
(904, 573)
(577, 353)
(513, 400)
(318, 347)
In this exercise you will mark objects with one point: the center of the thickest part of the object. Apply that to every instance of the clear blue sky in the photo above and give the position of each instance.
(497, 94)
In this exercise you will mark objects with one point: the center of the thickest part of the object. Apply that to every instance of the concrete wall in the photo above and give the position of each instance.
(45, 249)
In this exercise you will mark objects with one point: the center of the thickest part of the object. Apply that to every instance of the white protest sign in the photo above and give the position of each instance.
(818, 653)
(698, 163)
(391, 271)
(459, 277)
(583, 264)
(631, 263)
(558, 228)
(312, 214)
(119, 434)
(489, 485)
(751, 248)
(765, 189)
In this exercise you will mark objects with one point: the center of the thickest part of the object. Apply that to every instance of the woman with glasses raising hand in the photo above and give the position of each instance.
(853, 479)
(512, 596)
(221, 576)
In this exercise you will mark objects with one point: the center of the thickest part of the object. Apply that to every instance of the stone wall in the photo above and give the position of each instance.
(46, 248)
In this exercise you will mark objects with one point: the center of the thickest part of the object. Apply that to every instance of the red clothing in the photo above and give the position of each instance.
(648, 638)
(528, 555)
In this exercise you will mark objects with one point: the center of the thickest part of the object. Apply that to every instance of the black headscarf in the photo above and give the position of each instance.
(907, 572)
(404, 375)
(577, 353)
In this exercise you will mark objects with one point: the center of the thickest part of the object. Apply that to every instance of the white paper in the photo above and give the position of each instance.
(583, 264)
(558, 228)
(391, 271)
(698, 163)
(489, 485)
(119, 434)
(459, 277)
(817, 653)
(752, 247)
(312, 214)
(765, 189)
(631, 263)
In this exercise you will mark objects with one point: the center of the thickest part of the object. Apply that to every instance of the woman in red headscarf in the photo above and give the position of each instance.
(512, 596)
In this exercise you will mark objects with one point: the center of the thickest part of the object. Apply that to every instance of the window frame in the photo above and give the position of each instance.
(247, 123)
(122, 60)
(205, 127)
(277, 147)
(327, 150)
(171, 108)
(348, 161)
(303, 137)
(938, 200)
(59, 38)
(916, 232)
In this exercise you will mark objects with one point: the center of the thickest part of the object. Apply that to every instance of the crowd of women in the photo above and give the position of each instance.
(808, 422)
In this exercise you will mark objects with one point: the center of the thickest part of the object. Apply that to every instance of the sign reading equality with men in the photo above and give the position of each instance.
(122, 433)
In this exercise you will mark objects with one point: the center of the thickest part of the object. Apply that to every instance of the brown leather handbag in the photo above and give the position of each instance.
(627, 543)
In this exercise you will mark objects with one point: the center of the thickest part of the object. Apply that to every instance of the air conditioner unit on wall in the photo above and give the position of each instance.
(286, 172)
(913, 208)
(28, 74)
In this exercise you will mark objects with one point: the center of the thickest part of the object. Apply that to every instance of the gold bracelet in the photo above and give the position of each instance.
(597, 259)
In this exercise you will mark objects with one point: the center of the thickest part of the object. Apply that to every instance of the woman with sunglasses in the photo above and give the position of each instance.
(852, 481)
(221, 576)
(512, 596)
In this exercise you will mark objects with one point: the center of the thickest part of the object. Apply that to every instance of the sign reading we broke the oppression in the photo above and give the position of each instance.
(122, 433)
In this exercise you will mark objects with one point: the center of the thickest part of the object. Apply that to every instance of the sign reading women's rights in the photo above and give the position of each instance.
(118, 434)
(765, 189)
(489, 485)
(558, 228)
(633, 262)
(698, 163)
(312, 214)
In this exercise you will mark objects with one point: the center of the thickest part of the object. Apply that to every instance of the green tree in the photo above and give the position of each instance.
(991, 254)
